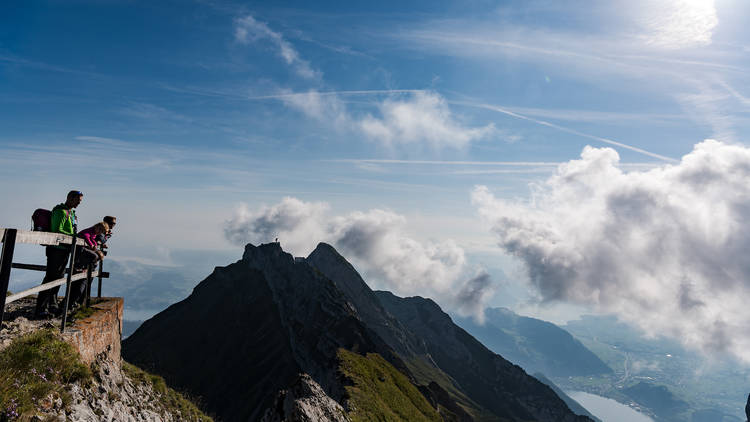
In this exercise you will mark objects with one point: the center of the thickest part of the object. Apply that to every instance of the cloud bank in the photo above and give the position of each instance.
(664, 249)
(374, 241)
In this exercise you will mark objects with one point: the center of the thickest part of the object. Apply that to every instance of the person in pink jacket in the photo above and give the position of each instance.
(85, 256)
(89, 254)
(90, 234)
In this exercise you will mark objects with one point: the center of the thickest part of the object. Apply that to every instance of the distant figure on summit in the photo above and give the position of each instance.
(63, 220)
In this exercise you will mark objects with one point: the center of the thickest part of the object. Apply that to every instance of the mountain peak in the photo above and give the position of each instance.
(326, 248)
(266, 253)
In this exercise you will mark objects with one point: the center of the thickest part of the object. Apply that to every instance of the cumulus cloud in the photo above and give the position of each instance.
(413, 118)
(248, 29)
(664, 249)
(320, 106)
(425, 117)
(297, 223)
(375, 242)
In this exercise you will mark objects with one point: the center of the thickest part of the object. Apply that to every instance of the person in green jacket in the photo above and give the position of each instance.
(63, 220)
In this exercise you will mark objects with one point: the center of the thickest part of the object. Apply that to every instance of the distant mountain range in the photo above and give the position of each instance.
(535, 345)
(257, 334)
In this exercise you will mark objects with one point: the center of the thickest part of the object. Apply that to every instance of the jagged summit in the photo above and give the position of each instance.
(266, 254)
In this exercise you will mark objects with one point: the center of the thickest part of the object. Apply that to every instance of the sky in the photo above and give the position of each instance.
(553, 157)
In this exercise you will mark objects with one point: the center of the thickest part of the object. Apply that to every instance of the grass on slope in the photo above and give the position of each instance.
(173, 402)
(380, 392)
(34, 366)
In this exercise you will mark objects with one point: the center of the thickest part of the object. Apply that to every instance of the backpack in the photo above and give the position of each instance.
(41, 220)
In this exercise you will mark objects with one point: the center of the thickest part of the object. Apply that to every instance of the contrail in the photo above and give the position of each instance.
(333, 93)
(565, 129)
(462, 163)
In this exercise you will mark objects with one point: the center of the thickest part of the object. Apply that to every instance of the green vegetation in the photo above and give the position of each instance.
(33, 367)
(380, 392)
(173, 402)
(82, 313)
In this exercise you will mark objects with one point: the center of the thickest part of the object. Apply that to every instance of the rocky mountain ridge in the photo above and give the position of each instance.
(250, 328)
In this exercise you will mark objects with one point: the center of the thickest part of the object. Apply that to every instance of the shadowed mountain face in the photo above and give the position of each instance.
(250, 328)
(494, 383)
(326, 259)
(418, 329)
(536, 345)
(247, 331)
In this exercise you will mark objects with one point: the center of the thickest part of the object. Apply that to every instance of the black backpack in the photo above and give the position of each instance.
(41, 220)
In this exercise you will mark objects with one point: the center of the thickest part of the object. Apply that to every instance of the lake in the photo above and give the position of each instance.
(607, 410)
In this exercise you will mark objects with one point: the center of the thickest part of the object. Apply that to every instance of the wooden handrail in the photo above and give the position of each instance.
(47, 286)
(40, 238)
(37, 267)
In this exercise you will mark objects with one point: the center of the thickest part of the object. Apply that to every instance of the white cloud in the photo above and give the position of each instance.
(423, 118)
(248, 29)
(375, 242)
(298, 224)
(664, 249)
(319, 106)
(413, 118)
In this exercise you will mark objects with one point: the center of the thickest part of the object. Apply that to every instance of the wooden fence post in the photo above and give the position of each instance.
(89, 279)
(99, 291)
(67, 285)
(6, 261)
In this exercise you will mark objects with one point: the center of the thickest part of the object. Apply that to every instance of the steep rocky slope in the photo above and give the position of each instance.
(42, 378)
(423, 333)
(485, 377)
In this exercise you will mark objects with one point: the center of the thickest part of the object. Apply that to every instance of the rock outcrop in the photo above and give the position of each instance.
(117, 396)
(304, 401)
(79, 375)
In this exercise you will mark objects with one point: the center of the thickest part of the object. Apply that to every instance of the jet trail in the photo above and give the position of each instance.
(565, 129)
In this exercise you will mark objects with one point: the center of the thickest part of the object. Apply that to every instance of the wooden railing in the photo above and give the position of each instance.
(10, 237)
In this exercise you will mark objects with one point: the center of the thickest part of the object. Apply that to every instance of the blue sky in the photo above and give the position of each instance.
(185, 118)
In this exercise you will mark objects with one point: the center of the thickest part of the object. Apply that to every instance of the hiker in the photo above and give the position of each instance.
(85, 257)
(63, 220)
(89, 254)
(103, 238)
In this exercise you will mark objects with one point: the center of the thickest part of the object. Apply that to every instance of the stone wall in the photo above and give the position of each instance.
(99, 333)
